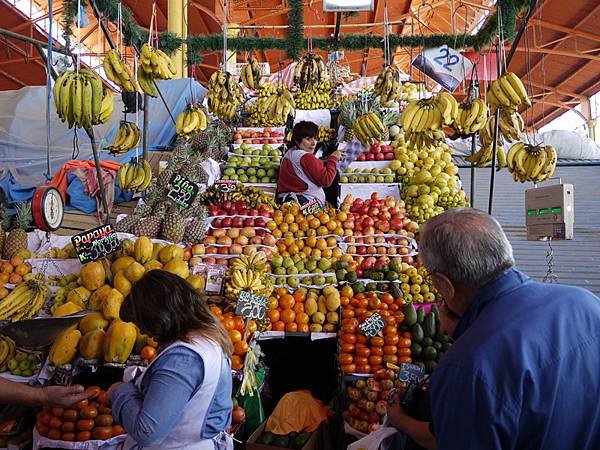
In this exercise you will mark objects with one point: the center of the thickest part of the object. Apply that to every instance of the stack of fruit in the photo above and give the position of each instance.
(273, 106)
(127, 138)
(314, 96)
(239, 332)
(296, 270)
(471, 117)
(267, 135)
(84, 421)
(19, 363)
(190, 121)
(378, 151)
(326, 134)
(361, 354)
(375, 175)
(366, 404)
(253, 165)
(13, 271)
(224, 95)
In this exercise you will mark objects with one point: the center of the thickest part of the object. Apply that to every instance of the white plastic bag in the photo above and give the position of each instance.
(373, 440)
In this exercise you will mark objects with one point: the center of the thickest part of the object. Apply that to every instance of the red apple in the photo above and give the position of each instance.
(249, 222)
(361, 157)
(379, 157)
(237, 222)
(371, 157)
(389, 156)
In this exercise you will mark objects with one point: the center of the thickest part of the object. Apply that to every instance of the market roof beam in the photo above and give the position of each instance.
(567, 30)
(11, 78)
(551, 89)
(554, 51)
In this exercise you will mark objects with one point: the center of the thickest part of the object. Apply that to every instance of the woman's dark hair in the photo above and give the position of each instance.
(167, 307)
(303, 130)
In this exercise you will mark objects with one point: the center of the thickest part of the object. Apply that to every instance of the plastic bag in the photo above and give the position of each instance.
(296, 412)
(375, 440)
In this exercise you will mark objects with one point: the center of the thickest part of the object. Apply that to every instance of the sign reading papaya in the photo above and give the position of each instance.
(96, 243)
(182, 191)
(372, 325)
(251, 305)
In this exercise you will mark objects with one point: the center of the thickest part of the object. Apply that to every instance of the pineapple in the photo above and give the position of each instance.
(174, 225)
(126, 224)
(163, 178)
(17, 238)
(196, 228)
(4, 225)
(150, 226)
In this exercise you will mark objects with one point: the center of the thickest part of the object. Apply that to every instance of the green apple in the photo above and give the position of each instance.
(310, 265)
(279, 271)
(234, 177)
(325, 264)
(371, 179)
(276, 261)
(300, 266)
(379, 178)
(252, 179)
(389, 178)
(293, 282)
(292, 270)
(225, 177)
(267, 180)
(331, 280)
(287, 262)
(343, 179)
(319, 280)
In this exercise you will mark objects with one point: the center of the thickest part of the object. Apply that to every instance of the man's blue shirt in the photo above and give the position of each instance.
(524, 372)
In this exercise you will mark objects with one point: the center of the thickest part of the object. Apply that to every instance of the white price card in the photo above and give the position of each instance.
(444, 65)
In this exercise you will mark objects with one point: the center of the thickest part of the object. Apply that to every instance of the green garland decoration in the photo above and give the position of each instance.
(295, 43)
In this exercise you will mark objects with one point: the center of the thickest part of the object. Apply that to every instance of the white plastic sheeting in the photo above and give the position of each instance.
(23, 129)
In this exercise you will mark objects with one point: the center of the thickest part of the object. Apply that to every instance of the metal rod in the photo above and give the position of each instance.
(40, 50)
(49, 78)
(473, 150)
(90, 133)
(338, 22)
(23, 38)
(145, 130)
(103, 25)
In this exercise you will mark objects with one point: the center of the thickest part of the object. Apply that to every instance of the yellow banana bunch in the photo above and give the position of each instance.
(246, 280)
(81, 100)
(256, 262)
(134, 176)
(326, 134)
(156, 63)
(486, 133)
(471, 117)
(314, 96)
(273, 106)
(508, 92)
(24, 301)
(369, 128)
(511, 125)
(117, 71)
(224, 95)
(534, 163)
(251, 74)
(191, 121)
(8, 349)
(423, 120)
(483, 157)
(310, 70)
(146, 82)
(127, 138)
(388, 86)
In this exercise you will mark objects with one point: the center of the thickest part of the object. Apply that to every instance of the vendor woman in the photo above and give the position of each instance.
(302, 176)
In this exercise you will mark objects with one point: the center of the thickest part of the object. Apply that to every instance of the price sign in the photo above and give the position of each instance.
(214, 274)
(251, 305)
(226, 185)
(444, 65)
(96, 243)
(310, 208)
(182, 191)
(372, 325)
(411, 373)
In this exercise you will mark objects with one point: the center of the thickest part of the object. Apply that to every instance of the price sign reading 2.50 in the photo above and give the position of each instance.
(182, 191)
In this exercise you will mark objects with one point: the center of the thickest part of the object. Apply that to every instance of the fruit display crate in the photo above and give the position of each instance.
(314, 336)
(364, 190)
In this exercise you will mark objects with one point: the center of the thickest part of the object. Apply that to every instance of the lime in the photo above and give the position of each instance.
(21, 357)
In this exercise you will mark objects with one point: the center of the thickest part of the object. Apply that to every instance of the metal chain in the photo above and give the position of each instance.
(550, 276)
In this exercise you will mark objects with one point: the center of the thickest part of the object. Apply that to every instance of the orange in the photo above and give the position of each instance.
(271, 225)
(284, 227)
(287, 301)
(237, 363)
(326, 253)
(240, 323)
(252, 326)
(293, 249)
(323, 218)
(322, 230)
(299, 295)
(235, 335)
(303, 327)
(289, 218)
(311, 241)
(306, 250)
(277, 233)
(281, 291)
(273, 315)
(302, 317)
(291, 327)
(294, 227)
(342, 216)
(289, 240)
(228, 323)
(321, 244)
(240, 348)
(278, 326)
(288, 315)
(314, 223)
(311, 232)
(294, 208)
(272, 303)
(298, 308)
(331, 241)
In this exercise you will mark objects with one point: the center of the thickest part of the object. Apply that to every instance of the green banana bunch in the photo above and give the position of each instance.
(369, 128)
(471, 117)
(224, 95)
(388, 86)
(134, 176)
(81, 99)
(310, 70)
(127, 138)
(534, 163)
(314, 96)
(117, 71)
(190, 121)
(251, 74)
(508, 92)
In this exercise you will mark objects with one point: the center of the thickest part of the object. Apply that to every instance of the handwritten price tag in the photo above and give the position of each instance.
(182, 191)
(226, 185)
(411, 373)
(96, 243)
(372, 325)
(251, 305)
(444, 65)
(311, 207)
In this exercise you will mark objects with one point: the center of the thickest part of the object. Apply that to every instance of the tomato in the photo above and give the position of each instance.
(345, 358)
(53, 433)
(404, 359)
(404, 342)
(89, 412)
(102, 433)
(363, 369)
(39, 416)
(85, 424)
(95, 389)
(348, 368)
(104, 410)
(404, 351)
(68, 427)
(68, 437)
(377, 341)
(101, 398)
(361, 360)
(46, 419)
(117, 430)
(347, 348)
(70, 415)
(390, 349)
(81, 404)
(148, 353)
(94, 404)
(407, 334)
(42, 429)
(390, 329)
(392, 359)
(349, 338)
(363, 351)
(350, 329)
(104, 420)
(391, 339)
(57, 412)
(55, 422)
(83, 436)
(375, 360)
(391, 321)
(151, 342)
(361, 339)
(377, 351)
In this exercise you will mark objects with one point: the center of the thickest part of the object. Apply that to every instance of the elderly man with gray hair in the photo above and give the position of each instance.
(524, 372)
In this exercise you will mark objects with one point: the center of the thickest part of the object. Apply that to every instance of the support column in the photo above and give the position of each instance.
(590, 122)
(177, 21)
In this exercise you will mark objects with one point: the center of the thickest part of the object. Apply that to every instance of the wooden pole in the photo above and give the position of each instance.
(90, 133)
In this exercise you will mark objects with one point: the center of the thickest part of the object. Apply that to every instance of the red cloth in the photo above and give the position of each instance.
(59, 181)
(321, 173)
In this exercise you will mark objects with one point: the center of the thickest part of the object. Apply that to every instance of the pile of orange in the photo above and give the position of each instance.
(236, 328)
(291, 221)
(359, 354)
(286, 311)
(13, 271)
(86, 420)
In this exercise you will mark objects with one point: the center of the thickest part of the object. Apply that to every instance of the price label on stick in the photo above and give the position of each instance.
(226, 185)
(372, 325)
(310, 208)
(251, 305)
(444, 65)
(96, 243)
(411, 373)
(182, 191)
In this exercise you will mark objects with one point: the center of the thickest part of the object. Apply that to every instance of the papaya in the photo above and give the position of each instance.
(65, 309)
(111, 305)
(310, 306)
(64, 348)
(92, 275)
(142, 249)
(332, 301)
(121, 263)
(417, 333)
(429, 325)
(80, 296)
(91, 345)
(410, 315)
(134, 272)
(93, 321)
(119, 341)
(121, 283)
(95, 301)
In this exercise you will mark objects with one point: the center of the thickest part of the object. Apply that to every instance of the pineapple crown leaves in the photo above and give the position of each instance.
(5, 219)
(23, 216)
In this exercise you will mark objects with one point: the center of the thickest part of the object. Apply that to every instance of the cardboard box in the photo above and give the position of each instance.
(314, 442)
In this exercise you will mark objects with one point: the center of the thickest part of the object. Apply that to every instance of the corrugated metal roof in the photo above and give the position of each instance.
(577, 261)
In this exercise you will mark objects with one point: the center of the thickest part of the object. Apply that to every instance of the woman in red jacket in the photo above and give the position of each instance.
(302, 175)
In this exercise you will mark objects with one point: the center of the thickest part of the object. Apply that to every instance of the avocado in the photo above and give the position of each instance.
(429, 353)
(437, 345)
(446, 346)
(300, 440)
(436, 313)
(266, 438)
(391, 276)
(368, 274)
(429, 325)
(384, 287)
(417, 333)
(396, 292)
(415, 350)
(371, 287)
(443, 338)
(351, 277)
(410, 315)
(420, 314)
(281, 441)
(427, 342)
(430, 366)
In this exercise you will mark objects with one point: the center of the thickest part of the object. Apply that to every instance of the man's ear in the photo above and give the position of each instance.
(443, 285)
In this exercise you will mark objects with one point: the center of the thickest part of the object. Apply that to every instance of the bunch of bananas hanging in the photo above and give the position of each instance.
(508, 92)
(486, 133)
(117, 71)
(311, 69)
(326, 134)
(156, 63)
(483, 157)
(81, 100)
(511, 125)
(256, 262)
(127, 138)
(388, 86)
(411, 91)
(423, 120)
(224, 95)
(190, 121)
(8, 350)
(134, 176)
(471, 117)
(534, 163)
(314, 96)
(24, 301)
(369, 128)
(273, 106)
(251, 74)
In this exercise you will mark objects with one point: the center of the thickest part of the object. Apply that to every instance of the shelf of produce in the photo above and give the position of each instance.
(267, 335)
(364, 190)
